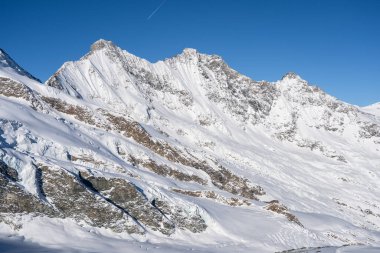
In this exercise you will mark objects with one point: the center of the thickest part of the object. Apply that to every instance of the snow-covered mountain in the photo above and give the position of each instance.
(183, 154)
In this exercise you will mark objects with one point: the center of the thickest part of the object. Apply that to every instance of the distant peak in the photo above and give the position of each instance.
(187, 55)
(100, 44)
(375, 105)
(291, 75)
(190, 51)
(7, 62)
(292, 81)
(4, 56)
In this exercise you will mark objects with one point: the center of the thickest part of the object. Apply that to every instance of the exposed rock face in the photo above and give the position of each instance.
(78, 112)
(8, 172)
(166, 171)
(182, 218)
(110, 203)
(11, 88)
(157, 215)
(135, 131)
(276, 207)
(225, 180)
(369, 130)
(212, 195)
(14, 199)
(72, 199)
(126, 196)
(246, 99)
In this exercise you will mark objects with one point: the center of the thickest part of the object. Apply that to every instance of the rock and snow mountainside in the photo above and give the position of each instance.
(114, 152)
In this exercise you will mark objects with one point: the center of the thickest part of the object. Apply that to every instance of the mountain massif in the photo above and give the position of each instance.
(116, 154)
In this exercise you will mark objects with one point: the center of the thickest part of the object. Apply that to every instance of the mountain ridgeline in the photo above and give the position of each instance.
(185, 149)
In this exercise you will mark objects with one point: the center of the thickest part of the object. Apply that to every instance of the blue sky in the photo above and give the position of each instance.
(334, 44)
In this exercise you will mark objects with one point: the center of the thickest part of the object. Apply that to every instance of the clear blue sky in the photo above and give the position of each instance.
(334, 44)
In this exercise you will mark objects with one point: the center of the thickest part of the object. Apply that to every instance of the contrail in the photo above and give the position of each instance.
(154, 12)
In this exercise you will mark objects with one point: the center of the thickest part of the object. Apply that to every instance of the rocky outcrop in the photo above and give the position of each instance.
(14, 199)
(166, 171)
(246, 99)
(182, 218)
(80, 113)
(276, 207)
(125, 195)
(11, 88)
(73, 199)
(233, 201)
(369, 130)
(112, 203)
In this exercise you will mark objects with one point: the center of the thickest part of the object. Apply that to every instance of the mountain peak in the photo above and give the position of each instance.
(292, 81)
(187, 55)
(291, 75)
(5, 59)
(190, 51)
(2, 53)
(101, 43)
(7, 62)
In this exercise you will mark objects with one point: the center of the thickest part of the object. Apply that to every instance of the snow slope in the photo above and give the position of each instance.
(372, 109)
(116, 152)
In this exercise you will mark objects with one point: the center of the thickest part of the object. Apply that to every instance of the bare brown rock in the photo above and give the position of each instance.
(166, 171)
(11, 88)
(126, 196)
(181, 218)
(73, 199)
(214, 196)
(14, 199)
(276, 207)
(80, 113)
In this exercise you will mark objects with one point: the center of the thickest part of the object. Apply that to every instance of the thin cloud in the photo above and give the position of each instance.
(154, 12)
